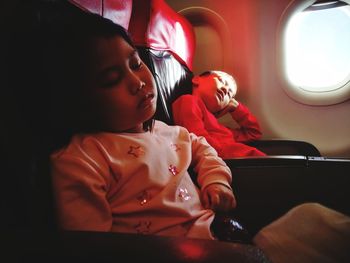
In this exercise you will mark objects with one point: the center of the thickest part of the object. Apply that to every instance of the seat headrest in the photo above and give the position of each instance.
(155, 25)
(119, 11)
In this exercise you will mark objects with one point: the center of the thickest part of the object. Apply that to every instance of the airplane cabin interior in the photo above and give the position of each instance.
(305, 130)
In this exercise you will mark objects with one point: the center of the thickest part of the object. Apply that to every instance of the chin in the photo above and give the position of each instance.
(151, 113)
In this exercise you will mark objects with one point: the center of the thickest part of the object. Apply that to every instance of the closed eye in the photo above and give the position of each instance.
(223, 81)
(135, 63)
(136, 66)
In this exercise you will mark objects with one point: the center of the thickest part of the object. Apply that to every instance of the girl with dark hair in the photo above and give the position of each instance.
(121, 170)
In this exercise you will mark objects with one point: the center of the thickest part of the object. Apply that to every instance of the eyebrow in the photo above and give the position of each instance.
(133, 53)
(221, 79)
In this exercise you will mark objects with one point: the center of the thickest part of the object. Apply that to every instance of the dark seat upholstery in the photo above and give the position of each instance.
(164, 67)
(286, 147)
(166, 43)
(267, 187)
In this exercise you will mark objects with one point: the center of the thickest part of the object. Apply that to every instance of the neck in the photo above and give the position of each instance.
(135, 130)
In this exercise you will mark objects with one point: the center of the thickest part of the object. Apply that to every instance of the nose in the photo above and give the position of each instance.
(142, 85)
(136, 84)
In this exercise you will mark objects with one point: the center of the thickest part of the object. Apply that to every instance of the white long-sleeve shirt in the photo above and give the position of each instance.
(136, 182)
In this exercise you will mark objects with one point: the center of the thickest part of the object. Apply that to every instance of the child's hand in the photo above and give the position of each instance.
(231, 106)
(218, 197)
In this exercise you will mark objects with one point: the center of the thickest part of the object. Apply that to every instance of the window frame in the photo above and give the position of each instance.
(339, 93)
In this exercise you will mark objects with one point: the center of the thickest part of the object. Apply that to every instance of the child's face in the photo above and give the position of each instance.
(120, 89)
(215, 90)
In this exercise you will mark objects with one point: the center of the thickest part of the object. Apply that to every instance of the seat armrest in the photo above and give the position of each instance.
(75, 246)
(267, 187)
(270, 160)
(285, 147)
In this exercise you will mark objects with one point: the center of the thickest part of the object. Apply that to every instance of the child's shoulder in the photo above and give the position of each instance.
(161, 128)
(81, 144)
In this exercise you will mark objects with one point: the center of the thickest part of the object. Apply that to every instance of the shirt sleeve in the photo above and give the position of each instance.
(80, 191)
(187, 113)
(210, 168)
(249, 127)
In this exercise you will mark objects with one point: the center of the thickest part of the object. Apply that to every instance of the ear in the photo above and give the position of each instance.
(235, 87)
(195, 80)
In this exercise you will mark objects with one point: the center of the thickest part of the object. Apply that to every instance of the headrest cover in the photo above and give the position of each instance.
(155, 25)
(119, 11)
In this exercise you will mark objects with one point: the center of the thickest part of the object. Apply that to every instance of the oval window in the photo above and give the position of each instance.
(315, 52)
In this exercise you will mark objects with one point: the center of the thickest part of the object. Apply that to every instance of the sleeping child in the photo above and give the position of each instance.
(214, 96)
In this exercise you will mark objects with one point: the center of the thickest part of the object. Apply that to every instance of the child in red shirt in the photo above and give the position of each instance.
(212, 97)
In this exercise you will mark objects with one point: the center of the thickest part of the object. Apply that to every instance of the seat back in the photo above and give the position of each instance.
(166, 42)
(117, 11)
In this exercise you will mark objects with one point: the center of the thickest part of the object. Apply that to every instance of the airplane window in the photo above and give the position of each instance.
(317, 55)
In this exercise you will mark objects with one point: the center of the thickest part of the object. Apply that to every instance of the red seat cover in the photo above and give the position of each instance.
(155, 25)
(119, 11)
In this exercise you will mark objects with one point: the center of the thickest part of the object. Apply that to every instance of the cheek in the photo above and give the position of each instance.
(212, 88)
(115, 114)
(114, 104)
(148, 77)
(206, 91)
(211, 93)
(103, 103)
(234, 91)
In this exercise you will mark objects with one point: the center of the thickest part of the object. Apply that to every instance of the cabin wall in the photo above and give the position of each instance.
(252, 28)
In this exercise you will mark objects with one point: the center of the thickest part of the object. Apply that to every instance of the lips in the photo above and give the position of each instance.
(146, 101)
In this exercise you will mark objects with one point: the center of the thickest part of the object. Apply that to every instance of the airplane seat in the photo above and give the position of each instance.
(285, 147)
(26, 197)
(26, 200)
(166, 42)
(117, 11)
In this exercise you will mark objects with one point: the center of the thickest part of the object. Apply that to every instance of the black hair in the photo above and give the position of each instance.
(59, 33)
(66, 49)
(206, 73)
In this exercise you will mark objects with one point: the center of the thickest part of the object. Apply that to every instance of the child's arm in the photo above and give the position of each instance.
(80, 194)
(249, 127)
(232, 106)
(218, 197)
(213, 176)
